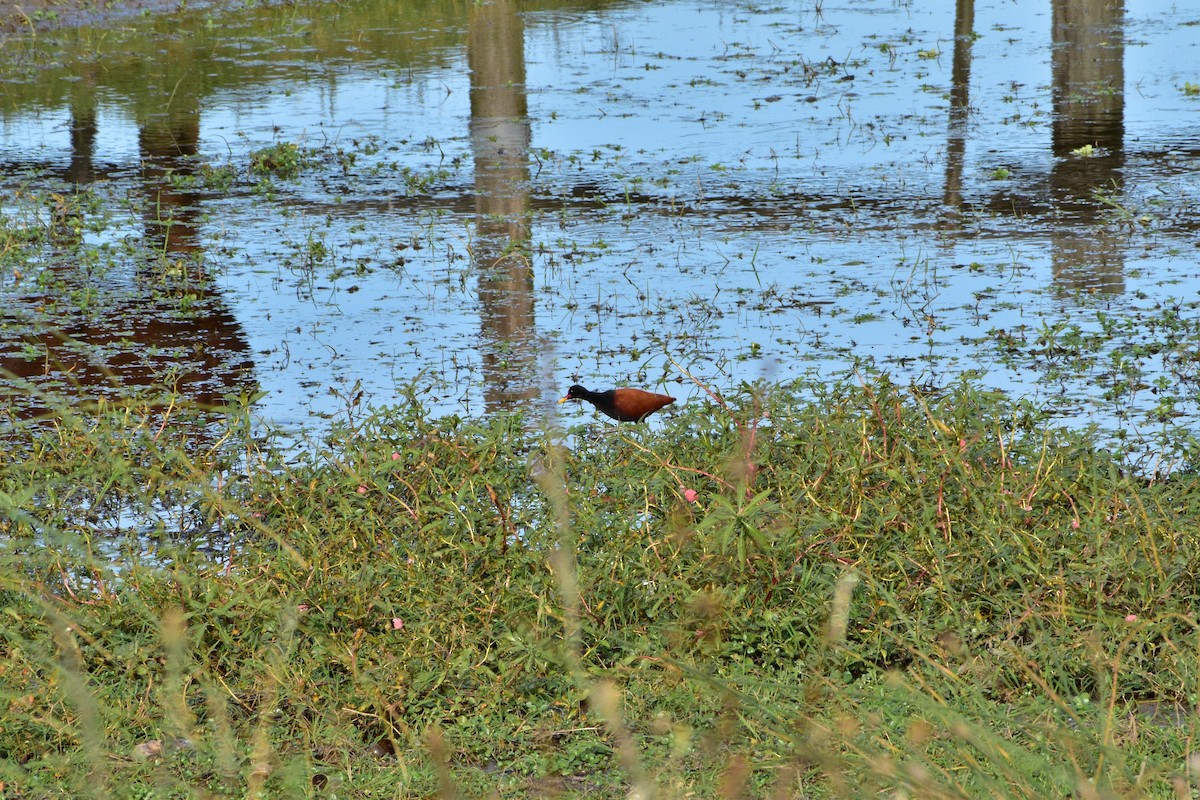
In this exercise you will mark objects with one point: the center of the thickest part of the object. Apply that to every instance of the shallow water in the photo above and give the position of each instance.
(498, 204)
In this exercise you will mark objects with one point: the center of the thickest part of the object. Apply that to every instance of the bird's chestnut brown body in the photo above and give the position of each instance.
(625, 405)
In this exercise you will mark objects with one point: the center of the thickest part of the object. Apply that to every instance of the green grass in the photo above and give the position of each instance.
(872, 592)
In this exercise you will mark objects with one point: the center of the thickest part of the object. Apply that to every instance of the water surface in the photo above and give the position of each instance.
(330, 202)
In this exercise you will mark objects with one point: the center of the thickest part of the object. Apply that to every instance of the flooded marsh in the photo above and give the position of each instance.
(316, 205)
(921, 277)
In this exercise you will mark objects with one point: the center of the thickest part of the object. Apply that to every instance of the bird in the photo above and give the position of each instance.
(624, 405)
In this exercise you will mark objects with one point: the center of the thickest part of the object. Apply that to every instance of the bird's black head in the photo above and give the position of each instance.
(576, 392)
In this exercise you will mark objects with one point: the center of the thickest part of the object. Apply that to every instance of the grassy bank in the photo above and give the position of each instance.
(873, 591)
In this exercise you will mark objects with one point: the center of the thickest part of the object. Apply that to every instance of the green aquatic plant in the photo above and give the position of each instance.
(283, 160)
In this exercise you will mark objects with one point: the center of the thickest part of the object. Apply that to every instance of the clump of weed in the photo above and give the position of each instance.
(284, 160)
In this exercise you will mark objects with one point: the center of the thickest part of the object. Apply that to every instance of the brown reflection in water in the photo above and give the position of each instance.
(83, 130)
(1089, 111)
(168, 329)
(500, 139)
(960, 101)
(168, 144)
(220, 362)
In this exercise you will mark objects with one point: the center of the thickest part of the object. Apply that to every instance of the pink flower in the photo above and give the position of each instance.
(362, 490)
(395, 456)
(1131, 617)
(691, 495)
(397, 624)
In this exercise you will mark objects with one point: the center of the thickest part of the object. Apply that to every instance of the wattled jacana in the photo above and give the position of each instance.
(626, 405)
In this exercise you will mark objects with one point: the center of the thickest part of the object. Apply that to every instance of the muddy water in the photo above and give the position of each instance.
(328, 203)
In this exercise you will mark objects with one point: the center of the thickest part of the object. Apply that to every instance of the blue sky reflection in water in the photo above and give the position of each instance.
(505, 204)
